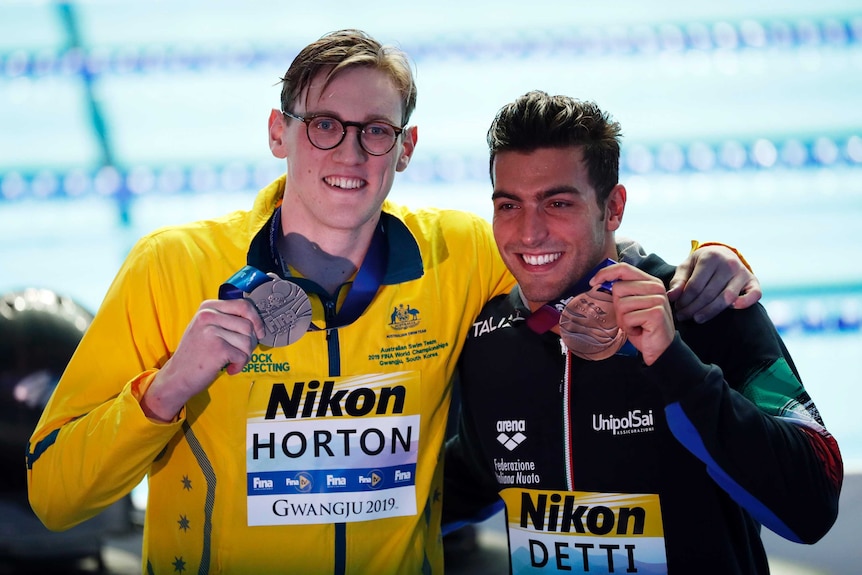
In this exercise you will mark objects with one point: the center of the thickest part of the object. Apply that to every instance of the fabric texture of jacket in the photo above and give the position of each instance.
(320, 457)
(615, 466)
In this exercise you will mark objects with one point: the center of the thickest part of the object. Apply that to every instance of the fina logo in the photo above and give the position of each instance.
(507, 427)
(373, 480)
(404, 317)
(302, 482)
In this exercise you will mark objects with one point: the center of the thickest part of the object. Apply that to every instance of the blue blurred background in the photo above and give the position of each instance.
(742, 123)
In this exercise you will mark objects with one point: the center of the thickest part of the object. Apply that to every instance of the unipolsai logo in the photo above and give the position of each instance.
(635, 421)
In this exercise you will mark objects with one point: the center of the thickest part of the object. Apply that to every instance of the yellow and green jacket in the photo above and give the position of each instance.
(323, 456)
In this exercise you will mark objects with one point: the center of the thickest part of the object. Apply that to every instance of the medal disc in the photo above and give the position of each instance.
(588, 325)
(285, 309)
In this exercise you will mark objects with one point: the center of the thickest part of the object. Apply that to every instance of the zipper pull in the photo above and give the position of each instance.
(329, 309)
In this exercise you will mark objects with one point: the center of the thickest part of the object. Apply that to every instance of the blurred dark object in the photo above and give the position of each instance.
(39, 331)
(463, 541)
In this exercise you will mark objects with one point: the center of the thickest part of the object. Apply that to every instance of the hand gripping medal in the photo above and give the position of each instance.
(285, 310)
(283, 305)
(588, 324)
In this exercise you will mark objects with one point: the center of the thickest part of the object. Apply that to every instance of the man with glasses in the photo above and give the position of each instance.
(282, 375)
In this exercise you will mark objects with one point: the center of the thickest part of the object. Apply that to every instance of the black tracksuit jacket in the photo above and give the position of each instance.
(719, 432)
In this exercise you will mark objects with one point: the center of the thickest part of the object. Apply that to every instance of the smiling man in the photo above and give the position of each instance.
(618, 439)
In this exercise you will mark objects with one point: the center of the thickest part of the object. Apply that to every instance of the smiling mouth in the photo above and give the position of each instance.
(541, 259)
(344, 183)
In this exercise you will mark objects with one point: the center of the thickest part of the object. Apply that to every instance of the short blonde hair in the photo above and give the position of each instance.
(346, 49)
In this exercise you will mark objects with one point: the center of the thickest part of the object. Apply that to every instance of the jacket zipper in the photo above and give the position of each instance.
(334, 354)
(567, 419)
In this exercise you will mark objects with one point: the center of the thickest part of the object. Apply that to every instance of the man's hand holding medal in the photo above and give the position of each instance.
(285, 309)
(623, 303)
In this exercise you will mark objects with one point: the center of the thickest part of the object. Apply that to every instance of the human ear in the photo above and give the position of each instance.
(276, 134)
(615, 206)
(409, 136)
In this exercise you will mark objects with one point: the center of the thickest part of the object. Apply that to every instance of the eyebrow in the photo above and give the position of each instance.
(369, 120)
(543, 195)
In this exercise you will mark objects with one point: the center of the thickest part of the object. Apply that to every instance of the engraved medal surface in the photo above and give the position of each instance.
(588, 325)
(285, 309)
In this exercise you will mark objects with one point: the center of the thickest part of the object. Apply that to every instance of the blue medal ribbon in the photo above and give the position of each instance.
(362, 291)
(547, 316)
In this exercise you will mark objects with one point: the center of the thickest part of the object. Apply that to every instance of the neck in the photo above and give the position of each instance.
(328, 259)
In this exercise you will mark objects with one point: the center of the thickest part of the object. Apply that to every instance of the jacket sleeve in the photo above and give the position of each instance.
(735, 401)
(93, 443)
(469, 487)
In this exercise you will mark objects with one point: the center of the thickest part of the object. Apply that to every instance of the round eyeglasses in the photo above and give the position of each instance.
(327, 132)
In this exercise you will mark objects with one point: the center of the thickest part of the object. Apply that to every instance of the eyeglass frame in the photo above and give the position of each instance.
(360, 129)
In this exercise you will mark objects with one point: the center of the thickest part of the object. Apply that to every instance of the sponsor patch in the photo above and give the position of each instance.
(332, 450)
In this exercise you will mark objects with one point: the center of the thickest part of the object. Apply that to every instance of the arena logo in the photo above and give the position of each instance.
(511, 433)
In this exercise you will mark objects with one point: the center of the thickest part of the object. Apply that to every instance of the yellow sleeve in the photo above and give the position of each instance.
(695, 245)
(93, 443)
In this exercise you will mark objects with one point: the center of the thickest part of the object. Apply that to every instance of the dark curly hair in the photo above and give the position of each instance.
(539, 120)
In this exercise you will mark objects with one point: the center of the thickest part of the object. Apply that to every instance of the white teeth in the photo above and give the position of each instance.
(344, 183)
(541, 259)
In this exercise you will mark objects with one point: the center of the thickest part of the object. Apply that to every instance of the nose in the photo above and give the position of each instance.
(350, 150)
(534, 229)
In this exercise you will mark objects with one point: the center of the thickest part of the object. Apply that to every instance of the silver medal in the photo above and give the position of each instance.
(285, 309)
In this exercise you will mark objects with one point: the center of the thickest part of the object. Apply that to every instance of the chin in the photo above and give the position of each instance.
(539, 294)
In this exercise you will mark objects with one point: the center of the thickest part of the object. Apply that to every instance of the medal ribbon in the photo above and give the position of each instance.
(365, 285)
(547, 316)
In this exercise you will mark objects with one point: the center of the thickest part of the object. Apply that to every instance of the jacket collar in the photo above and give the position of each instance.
(403, 260)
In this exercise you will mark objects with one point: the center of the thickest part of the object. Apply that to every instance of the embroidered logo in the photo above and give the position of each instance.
(511, 433)
(404, 317)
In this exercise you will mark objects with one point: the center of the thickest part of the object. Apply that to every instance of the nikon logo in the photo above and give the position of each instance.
(320, 400)
(560, 514)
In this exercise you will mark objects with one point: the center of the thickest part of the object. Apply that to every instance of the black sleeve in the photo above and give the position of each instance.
(735, 401)
(469, 487)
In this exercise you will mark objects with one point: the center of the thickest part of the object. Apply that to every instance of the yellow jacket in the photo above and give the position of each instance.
(323, 456)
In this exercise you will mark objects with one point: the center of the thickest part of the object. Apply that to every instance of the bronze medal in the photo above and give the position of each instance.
(588, 325)
(285, 309)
